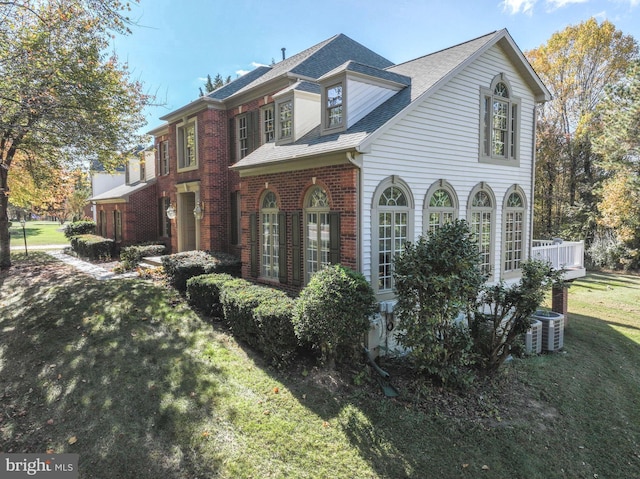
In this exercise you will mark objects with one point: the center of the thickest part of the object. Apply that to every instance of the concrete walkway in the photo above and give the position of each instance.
(95, 270)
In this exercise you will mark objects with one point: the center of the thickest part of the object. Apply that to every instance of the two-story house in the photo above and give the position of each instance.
(337, 155)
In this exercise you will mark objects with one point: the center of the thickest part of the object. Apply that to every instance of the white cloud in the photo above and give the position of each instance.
(516, 6)
(241, 72)
(256, 65)
(555, 4)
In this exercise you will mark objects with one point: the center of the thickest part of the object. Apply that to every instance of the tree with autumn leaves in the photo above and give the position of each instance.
(579, 150)
(63, 99)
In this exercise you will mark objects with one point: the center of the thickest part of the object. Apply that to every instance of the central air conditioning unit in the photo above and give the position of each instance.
(533, 338)
(552, 329)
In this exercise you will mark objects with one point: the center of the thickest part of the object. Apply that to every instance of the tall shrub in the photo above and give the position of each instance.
(504, 312)
(437, 281)
(332, 312)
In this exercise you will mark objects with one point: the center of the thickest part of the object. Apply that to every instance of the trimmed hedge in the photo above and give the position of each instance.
(180, 267)
(261, 317)
(203, 292)
(92, 246)
(79, 228)
(130, 256)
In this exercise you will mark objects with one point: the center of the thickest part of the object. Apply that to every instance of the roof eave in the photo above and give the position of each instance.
(194, 106)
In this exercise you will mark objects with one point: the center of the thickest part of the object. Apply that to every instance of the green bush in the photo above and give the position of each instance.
(180, 267)
(261, 317)
(92, 246)
(130, 256)
(203, 292)
(504, 312)
(437, 281)
(79, 228)
(332, 313)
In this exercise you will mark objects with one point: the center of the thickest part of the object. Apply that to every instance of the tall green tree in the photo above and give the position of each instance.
(211, 85)
(62, 97)
(576, 64)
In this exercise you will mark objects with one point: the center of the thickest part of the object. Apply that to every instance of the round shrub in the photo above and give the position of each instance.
(332, 312)
(79, 228)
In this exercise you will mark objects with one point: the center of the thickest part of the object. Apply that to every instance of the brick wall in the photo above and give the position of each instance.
(340, 183)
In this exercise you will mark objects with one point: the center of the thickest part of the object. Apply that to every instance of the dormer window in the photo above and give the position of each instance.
(500, 121)
(334, 106)
(285, 119)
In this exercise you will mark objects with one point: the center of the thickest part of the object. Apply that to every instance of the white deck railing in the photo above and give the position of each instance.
(567, 254)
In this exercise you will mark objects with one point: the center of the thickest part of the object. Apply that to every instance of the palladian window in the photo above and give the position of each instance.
(500, 122)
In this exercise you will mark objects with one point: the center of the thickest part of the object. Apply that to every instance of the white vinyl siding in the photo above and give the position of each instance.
(364, 98)
(439, 139)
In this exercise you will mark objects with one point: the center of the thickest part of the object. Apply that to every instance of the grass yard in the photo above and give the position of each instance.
(39, 233)
(124, 374)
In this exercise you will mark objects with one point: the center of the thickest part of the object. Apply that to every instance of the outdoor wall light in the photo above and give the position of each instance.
(171, 212)
(198, 211)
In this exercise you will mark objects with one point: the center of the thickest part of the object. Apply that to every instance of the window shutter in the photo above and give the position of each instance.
(253, 130)
(334, 237)
(296, 249)
(282, 247)
(253, 244)
(232, 140)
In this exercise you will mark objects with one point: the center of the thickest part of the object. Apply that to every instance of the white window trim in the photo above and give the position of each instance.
(325, 128)
(279, 102)
(273, 234)
(514, 273)
(181, 147)
(492, 238)
(427, 210)
(508, 159)
(263, 123)
(319, 211)
(375, 252)
(239, 148)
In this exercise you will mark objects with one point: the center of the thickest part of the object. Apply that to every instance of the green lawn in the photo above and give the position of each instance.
(38, 233)
(127, 376)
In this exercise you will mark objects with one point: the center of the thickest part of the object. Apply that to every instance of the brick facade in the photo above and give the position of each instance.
(340, 183)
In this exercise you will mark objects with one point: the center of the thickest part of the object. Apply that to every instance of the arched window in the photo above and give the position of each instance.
(500, 121)
(270, 241)
(317, 231)
(392, 227)
(513, 215)
(441, 206)
(481, 220)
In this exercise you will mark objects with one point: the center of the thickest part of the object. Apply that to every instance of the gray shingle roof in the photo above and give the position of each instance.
(353, 66)
(317, 60)
(425, 74)
(122, 191)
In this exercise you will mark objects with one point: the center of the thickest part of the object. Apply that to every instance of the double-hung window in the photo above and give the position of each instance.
(187, 145)
(334, 113)
(268, 124)
(500, 122)
(285, 120)
(243, 136)
(163, 156)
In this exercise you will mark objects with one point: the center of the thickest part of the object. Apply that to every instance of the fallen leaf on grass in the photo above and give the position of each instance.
(50, 451)
(465, 465)
(72, 440)
(266, 412)
(50, 422)
(276, 390)
(485, 468)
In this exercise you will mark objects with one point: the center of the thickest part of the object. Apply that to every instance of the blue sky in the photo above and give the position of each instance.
(178, 42)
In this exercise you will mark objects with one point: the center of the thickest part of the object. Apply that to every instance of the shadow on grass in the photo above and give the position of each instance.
(99, 369)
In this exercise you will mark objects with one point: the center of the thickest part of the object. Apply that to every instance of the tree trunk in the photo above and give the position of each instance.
(5, 239)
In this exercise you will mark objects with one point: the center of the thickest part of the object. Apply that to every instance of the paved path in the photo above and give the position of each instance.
(97, 271)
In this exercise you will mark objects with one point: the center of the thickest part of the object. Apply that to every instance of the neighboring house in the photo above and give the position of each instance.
(337, 155)
(102, 181)
(125, 212)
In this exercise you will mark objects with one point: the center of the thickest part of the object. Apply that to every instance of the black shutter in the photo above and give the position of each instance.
(253, 244)
(282, 247)
(296, 249)
(232, 140)
(253, 131)
(334, 237)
